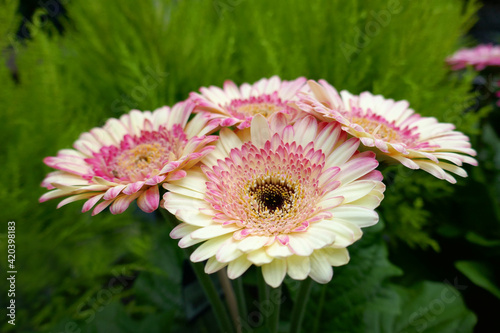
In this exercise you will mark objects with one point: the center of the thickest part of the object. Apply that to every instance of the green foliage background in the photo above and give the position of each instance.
(107, 273)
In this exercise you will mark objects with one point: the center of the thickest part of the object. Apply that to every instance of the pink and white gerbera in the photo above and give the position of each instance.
(288, 198)
(235, 105)
(479, 57)
(128, 158)
(393, 130)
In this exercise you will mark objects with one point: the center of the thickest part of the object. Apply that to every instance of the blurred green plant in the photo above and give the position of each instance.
(118, 55)
(361, 299)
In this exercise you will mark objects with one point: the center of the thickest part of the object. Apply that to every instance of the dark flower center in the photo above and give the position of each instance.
(271, 197)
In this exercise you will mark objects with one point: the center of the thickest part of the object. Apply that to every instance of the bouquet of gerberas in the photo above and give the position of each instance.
(286, 184)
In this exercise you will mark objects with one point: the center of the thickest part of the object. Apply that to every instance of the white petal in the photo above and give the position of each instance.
(278, 250)
(187, 209)
(370, 201)
(327, 138)
(103, 136)
(319, 91)
(356, 168)
(299, 245)
(317, 237)
(336, 257)
(360, 216)
(195, 180)
(136, 119)
(238, 267)
(435, 170)
(260, 131)
(252, 243)
(208, 249)
(229, 140)
(321, 270)
(259, 257)
(213, 265)
(306, 128)
(160, 117)
(273, 84)
(61, 177)
(331, 202)
(214, 230)
(218, 153)
(182, 230)
(453, 168)
(298, 267)
(406, 161)
(345, 232)
(179, 114)
(184, 191)
(75, 198)
(354, 190)
(228, 251)
(274, 272)
(116, 129)
(198, 126)
(342, 153)
(187, 241)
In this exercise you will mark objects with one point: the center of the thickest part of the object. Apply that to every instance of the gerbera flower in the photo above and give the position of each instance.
(479, 57)
(289, 198)
(127, 159)
(235, 105)
(393, 130)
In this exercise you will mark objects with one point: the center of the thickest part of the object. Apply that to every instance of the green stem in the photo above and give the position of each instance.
(300, 305)
(231, 301)
(263, 287)
(263, 294)
(240, 297)
(205, 281)
(274, 320)
(320, 308)
(212, 295)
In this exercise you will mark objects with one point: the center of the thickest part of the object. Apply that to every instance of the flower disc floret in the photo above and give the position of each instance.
(287, 197)
(235, 105)
(127, 159)
(273, 194)
(139, 157)
(393, 130)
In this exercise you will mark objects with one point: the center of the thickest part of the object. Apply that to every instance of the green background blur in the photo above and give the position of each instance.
(430, 265)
